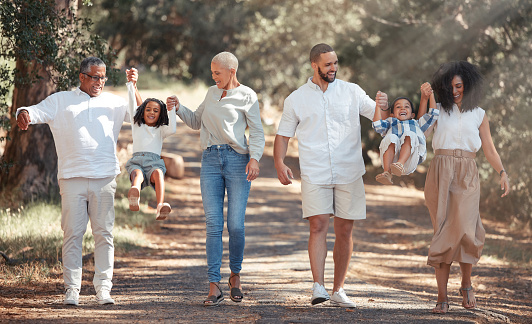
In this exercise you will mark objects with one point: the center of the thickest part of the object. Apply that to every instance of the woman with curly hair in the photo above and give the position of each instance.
(452, 187)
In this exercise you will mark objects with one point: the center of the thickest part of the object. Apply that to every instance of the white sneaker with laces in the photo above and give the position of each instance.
(71, 297)
(104, 297)
(340, 299)
(319, 294)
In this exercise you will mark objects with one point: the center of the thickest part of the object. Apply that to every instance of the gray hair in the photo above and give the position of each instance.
(87, 63)
(317, 50)
(227, 60)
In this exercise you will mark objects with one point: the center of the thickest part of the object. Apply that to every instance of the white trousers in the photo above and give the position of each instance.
(83, 199)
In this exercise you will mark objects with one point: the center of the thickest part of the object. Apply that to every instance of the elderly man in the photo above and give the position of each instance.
(325, 114)
(85, 123)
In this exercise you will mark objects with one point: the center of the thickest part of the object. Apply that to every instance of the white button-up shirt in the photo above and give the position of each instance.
(328, 130)
(85, 131)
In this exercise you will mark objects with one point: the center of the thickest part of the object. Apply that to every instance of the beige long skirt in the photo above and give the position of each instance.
(452, 195)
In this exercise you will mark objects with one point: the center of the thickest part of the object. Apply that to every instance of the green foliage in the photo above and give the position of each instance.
(397, 46)
(385, 45)
(177, 37)
(33, 233)
(36, 34)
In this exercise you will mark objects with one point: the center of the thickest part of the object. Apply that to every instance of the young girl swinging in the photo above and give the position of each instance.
(150, 126)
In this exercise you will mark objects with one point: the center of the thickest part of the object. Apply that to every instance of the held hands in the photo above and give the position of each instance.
(505, 184)
(284, 174)
(132, 75)
(172, 102)
(382, 100)
(426, 90)
(252, 169)
(23, 120)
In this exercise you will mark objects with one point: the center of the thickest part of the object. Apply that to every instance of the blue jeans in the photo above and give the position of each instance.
(222, 168)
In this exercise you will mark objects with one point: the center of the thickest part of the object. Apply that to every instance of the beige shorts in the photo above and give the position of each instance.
(347, 201)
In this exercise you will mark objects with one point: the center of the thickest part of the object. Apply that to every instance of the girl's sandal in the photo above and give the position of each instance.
(398, 169)
(441, 309)
(213, 300)
(235, 293)
(467, 304)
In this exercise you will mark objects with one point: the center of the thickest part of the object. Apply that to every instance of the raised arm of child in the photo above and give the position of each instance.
(381, 110)
(426, 95)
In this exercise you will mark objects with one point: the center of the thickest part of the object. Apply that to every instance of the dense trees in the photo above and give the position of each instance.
(41, 47)
(383, 45)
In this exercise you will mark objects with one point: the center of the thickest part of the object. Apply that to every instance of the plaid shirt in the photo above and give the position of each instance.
(392, 125)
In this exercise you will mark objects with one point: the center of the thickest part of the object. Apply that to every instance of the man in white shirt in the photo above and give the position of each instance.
(325, 114)
(85, 124)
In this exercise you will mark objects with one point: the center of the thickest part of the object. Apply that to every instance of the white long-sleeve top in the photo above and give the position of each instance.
(328, 130)
(85, 131)
(148, 138)
(224, 121)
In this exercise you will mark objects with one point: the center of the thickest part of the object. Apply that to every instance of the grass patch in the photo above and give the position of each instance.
(515, 253)
(31, 236)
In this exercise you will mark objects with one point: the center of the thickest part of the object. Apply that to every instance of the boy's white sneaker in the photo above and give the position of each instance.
(104, 297)
(319, 294)
(71, 297)
(340, 299)
(163, 210)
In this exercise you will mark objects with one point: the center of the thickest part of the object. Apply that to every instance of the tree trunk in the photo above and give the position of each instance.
(34, 174)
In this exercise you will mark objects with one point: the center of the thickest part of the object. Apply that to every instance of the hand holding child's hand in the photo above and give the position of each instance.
(426, 90)
(132, 75)
(172, 102)
(23, 120)
(382, 100)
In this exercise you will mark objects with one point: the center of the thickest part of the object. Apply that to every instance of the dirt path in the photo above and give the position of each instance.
(388, 278)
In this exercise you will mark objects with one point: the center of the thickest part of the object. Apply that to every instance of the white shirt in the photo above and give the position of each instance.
(224, 121)
(328, 130)
(458, 130)
(85, 131)
(148, 138)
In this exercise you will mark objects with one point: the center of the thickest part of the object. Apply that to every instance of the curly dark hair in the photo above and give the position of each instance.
(405, 98)
(473, 85)
(163, 116)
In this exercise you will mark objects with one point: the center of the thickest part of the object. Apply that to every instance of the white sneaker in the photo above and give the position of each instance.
(133, 196)
(71, 297)
(319, 294)
(104, 297)
(163, 210)
(339, 299)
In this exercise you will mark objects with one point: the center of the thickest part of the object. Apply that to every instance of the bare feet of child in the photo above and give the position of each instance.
(163, 210)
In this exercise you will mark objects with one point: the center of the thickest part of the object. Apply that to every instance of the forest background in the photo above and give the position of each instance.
(388, 45)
